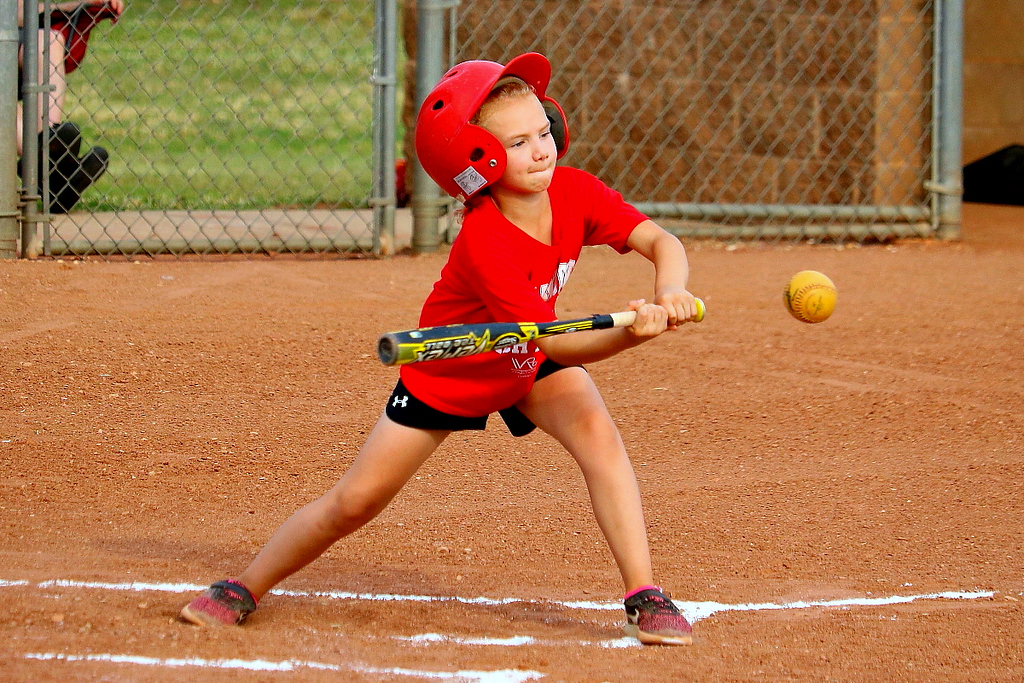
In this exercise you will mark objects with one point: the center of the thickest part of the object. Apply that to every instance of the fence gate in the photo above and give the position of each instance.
(236, 126)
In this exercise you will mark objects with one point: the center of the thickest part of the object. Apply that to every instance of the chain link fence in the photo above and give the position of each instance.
(268, 126)
(741, 118)
(232, 126)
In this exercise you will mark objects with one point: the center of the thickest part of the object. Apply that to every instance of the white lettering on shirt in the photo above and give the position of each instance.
(562, 273)
(522, 347)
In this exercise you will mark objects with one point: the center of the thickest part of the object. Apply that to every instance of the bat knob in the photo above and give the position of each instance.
(387, 350)
(700, 310)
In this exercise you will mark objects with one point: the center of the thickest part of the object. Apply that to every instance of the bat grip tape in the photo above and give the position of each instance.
(621, 319)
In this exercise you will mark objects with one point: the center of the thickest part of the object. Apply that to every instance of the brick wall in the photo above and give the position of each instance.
(731, 102)
(993, 76)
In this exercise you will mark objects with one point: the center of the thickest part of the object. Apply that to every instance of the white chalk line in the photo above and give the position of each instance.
(498, 676)
(694, 611)
(517, 641)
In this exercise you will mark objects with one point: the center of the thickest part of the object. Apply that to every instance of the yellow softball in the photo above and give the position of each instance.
(810, 296)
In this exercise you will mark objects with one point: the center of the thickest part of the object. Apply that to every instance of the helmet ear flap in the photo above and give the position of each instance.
(559, 126)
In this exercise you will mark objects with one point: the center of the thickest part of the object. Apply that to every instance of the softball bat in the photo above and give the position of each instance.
(457, 341)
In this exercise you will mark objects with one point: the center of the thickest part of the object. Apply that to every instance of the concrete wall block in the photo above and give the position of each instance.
(846, 124)
(660, 171)
(609, 104)
(805, 7)
(993, 76)
(904, 54)
(650, 171)
(776, 120)
(483, 33)
(697, 115)
(816, 181)
(898, 9)
(992, 30)
(736, 46)
(900, 128)
(818, 51)
(603, 160)
(982, 94)
(736, 179)
(667, 40)
(640, 112)
(897, 184)
(585, 34)
(1011, 104)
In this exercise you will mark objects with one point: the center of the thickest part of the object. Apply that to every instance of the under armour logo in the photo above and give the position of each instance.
(399, 402)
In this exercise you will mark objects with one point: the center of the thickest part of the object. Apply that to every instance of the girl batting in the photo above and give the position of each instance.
(489, 136)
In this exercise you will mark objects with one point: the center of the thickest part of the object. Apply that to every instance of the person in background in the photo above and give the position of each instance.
(70, 171)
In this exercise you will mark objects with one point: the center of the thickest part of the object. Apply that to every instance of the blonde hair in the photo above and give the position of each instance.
(505, 89)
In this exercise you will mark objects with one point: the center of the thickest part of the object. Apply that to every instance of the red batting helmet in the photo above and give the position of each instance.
(464, 158)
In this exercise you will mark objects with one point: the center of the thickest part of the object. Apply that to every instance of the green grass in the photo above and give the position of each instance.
(231, 104)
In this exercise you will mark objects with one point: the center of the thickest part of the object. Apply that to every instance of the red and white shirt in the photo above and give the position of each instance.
(498, 273)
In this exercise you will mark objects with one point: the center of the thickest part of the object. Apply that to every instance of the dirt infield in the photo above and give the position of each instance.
(159, 420)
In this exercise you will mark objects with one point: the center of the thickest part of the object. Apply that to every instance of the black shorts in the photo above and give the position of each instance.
(407, 410)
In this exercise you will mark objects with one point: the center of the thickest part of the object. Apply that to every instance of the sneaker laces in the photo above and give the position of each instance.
(658, 603)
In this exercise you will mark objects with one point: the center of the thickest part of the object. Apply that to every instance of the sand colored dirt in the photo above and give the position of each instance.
(159, 420)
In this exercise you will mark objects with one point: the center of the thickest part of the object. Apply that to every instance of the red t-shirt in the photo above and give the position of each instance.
(497, 273)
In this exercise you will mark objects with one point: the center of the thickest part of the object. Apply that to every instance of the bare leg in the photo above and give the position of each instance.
(57, 80)
(19, 127)
(21, 63)
(392, 453)
(569, 407)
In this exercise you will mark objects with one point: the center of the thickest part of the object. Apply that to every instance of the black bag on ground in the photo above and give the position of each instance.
(997, 178)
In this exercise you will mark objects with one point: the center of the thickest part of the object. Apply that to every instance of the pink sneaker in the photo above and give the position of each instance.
(225, 603)
(653, 619)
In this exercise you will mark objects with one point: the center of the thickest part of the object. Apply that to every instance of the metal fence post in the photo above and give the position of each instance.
(426, 198)
(385, 82)
(9, 212)
(30, 150)
(949, 185)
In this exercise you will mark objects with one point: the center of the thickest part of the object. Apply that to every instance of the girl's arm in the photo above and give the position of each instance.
(671, 270)
(673, 304)
(580, 348)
